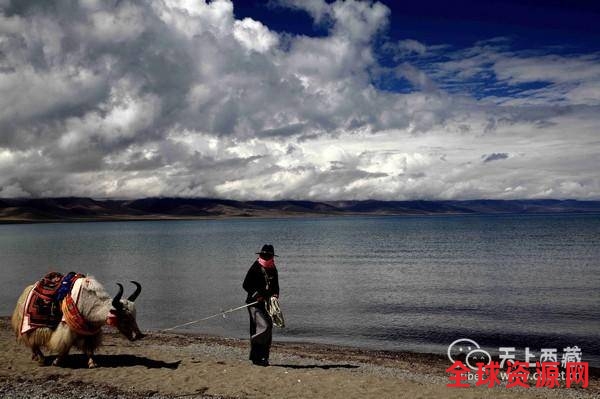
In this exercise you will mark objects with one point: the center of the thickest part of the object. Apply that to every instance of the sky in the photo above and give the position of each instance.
(300, 99)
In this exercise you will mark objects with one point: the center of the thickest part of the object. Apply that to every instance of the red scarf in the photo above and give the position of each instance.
(267, 264)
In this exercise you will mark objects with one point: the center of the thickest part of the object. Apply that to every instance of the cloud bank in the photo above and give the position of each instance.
(179, 98)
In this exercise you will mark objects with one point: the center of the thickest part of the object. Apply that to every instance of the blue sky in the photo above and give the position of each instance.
(300, 99)
(540, 27)
(572, 24)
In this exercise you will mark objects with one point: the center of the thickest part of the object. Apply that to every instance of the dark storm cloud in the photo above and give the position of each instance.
(496, 156)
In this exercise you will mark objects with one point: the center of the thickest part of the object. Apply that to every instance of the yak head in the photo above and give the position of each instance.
(122, 316)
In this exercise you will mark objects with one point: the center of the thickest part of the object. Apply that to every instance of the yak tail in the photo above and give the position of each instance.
(36, 338)
(59, 340)
(17, 316)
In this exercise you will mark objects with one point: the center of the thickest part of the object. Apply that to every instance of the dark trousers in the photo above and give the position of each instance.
(261, 333)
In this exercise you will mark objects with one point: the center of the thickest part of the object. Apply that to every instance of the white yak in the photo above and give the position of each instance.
(91, 307)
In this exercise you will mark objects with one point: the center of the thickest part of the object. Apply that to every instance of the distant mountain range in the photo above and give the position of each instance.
(87, 209)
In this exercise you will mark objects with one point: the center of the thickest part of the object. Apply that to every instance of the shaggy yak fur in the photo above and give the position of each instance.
(97, 308)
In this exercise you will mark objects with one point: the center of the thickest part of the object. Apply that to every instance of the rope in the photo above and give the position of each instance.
(275, 312)
(223, 313)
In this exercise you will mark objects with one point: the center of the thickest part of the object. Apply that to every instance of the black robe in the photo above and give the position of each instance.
(255, 282)
(260, 282)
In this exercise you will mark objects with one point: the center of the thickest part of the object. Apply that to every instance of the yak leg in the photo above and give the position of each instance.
(138, 333)
(91, 363)
(89, 345)
(60, 358)
(36, 354)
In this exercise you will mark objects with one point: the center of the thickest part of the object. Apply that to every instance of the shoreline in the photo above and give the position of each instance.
(170, 365)
(279, 216)
(284, 216)
(81, 209)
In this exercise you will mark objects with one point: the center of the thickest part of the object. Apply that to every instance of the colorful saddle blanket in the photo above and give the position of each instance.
(42, 308)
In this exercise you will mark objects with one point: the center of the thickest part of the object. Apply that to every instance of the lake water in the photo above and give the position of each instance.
(396, 283)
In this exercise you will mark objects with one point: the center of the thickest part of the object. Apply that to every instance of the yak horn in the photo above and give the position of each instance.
(117, 299)
(138, 289)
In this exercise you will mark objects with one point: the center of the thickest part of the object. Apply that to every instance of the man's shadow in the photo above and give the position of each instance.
(79, 361)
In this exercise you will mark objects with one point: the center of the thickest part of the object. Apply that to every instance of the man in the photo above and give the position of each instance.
(261, 283)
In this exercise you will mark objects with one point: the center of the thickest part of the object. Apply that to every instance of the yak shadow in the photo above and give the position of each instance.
(316, 366)
(79, 361)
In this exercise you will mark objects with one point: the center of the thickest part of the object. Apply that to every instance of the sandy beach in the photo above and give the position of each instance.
(171, 365)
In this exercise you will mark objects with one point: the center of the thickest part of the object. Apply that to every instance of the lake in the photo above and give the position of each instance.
(395, 283)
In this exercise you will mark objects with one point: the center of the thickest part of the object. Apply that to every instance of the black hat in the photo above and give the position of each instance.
(267, 250)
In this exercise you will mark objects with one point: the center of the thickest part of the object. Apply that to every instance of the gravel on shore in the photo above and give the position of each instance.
(170, 365)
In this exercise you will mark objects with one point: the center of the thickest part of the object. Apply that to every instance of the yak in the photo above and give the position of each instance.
(86, 309)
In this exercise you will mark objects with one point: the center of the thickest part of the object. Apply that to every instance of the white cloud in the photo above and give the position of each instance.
(180, 98)
(32, 94)
(416, 77)
(412, 46)
(112, 27)
(193, 17)
(13, 191)
(549, 68)
(560, 79)
(254, 36)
